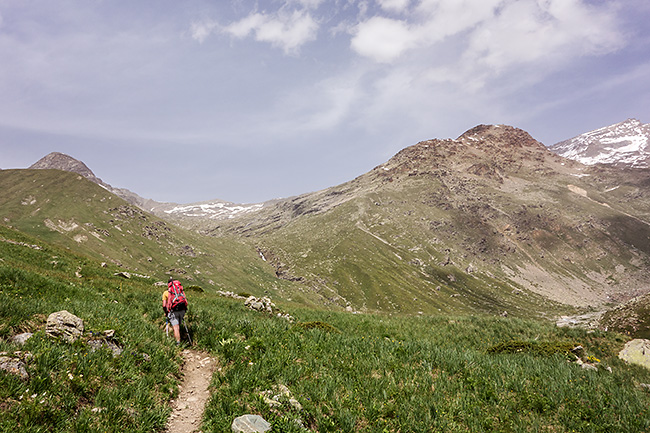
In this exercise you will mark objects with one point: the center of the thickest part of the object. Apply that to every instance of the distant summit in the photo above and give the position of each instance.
(214, 209)
(624, 144)
(61, 161)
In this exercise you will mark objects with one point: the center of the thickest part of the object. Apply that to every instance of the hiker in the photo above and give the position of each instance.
(176, 306)
(165, 296)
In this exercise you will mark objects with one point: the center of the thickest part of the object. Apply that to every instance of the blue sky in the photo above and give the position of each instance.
(247, 101)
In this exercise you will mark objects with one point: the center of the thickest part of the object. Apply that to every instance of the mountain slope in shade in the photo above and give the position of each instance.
(624, 144)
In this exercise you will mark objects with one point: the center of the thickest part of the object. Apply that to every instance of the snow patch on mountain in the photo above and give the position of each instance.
(623, 144)
(213, 210)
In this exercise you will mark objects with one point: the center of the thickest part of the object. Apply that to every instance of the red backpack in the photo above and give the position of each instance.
(177, 300)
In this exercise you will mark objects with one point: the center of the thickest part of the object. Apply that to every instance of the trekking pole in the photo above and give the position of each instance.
(187, 331)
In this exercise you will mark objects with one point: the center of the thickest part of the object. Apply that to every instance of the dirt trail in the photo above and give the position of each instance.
(188, 407)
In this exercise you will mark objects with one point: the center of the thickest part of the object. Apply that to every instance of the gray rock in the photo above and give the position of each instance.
(273, 397)
(99, 343)
(13, 366)
(65, 325)
(250, 424)
(636, 352)
(21, 339)
(591, 367)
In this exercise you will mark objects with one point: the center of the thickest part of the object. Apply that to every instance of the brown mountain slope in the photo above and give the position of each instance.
(491, 221)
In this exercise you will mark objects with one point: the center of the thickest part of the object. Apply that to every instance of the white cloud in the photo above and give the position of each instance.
(494, 35)
(548, 31)
(444, 18)
(310, 4)
(288, 31)
(383, 39)
(201, 30)
(394, 5)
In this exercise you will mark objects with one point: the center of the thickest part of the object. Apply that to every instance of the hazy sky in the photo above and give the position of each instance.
(251, 100)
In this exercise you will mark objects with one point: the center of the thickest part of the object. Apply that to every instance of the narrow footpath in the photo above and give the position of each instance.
(187, 413)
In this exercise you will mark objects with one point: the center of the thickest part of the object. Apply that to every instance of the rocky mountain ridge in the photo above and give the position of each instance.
(61, 161)
(624, 144)
(211, 209)
(493, 208)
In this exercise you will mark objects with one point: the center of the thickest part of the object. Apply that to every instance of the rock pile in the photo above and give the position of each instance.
(260, 304)
(263, 304)
(277, 395)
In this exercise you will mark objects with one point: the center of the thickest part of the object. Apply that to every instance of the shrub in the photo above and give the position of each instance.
(323, 326)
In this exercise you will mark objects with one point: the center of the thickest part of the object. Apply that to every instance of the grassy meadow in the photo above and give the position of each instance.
(348, 372)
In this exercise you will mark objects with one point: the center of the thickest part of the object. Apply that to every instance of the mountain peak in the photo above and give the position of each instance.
(625, 143)
(61, 161)
(504, 135)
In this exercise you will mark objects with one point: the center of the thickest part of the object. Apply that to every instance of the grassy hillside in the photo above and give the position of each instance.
(350, 373)
(631, 318)
(67, 382)
(67, 210)
(490, 222)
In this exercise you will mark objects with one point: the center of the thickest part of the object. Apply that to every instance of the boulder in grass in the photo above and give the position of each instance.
(13, 366)
(21, 339)
(64, 325)
(250, 424)
(636, 352)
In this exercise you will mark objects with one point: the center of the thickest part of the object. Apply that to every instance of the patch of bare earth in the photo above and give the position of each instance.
(187, 413)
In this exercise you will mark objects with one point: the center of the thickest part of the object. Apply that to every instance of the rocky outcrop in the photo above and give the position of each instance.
(264, 304)
(64, 325)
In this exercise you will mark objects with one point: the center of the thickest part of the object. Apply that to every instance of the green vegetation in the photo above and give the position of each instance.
(71, 387)
(67, 210)
(376, 374)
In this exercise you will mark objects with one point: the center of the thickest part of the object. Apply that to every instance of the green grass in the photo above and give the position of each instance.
(409, 374)
(349, 372)
(68, 381)
(75, 214)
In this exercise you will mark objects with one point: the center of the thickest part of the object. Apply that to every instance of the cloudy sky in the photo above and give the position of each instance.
(251, 100)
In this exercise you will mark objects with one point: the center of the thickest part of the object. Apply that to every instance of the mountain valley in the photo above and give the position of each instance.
(492, 222)
(477, 284)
